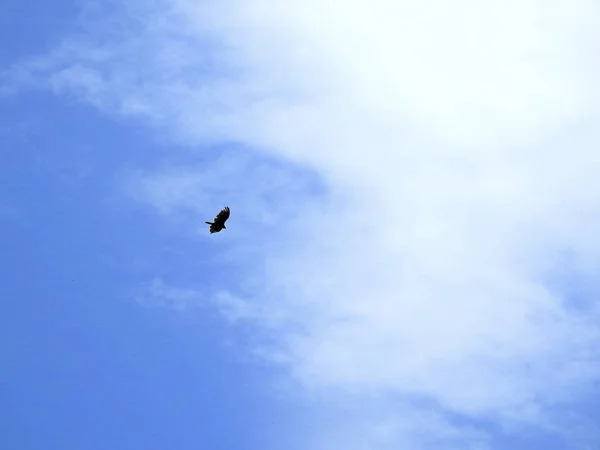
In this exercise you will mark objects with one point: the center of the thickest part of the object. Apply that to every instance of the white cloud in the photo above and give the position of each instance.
(459, 143)
(158, 293)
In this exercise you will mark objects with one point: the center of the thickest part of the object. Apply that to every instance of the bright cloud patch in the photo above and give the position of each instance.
(459, 144)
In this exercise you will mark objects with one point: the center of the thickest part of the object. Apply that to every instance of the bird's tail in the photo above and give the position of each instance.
(210, 223)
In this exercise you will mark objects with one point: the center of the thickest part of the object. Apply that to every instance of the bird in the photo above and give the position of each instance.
(218, 223)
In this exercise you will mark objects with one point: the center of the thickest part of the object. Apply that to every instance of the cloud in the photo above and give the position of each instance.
(457, 143)
(158, 293)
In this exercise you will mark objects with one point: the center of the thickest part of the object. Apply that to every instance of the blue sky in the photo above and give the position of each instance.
(84, 366)
(411, 255)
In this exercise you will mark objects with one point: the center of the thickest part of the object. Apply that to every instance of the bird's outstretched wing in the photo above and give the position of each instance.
(222, 216)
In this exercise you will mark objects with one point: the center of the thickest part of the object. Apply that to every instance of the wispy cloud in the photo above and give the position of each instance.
(158, 293)
(457, 141)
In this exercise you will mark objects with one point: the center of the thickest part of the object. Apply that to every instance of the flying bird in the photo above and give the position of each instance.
(219, 222)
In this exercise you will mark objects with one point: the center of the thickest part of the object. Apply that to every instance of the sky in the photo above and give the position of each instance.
(411, 257)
